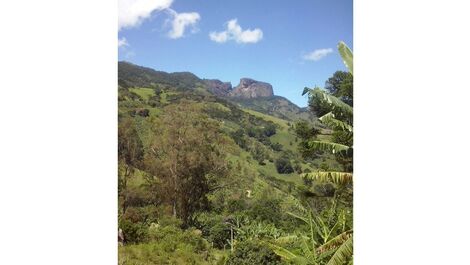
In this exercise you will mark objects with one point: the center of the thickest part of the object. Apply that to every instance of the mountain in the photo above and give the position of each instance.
(217, 87)
(249, 93)
(249, 88)
(131, 75)
(276, 106)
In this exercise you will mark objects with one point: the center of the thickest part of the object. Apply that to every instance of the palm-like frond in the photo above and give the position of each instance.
(329, 147)
(347, 55)
(299, 217)
(335, 241)
(330, 121)
(329, 176)
(337, 106)
(344, 252)
(287, 255)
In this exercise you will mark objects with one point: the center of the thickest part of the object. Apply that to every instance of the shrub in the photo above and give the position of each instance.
(266, 210)
(283, 166)
(276, 146)
(214, 229)
(269, 129)
(167, 245)
(143, 112)
(253, 252)
(236, 205)
(133, 232)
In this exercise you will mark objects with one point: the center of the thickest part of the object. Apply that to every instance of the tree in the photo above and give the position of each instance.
(303, 130)
(186, 157)
(130, 153)
(341, 85)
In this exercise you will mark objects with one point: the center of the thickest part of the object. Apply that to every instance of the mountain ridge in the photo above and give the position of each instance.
(249, 93)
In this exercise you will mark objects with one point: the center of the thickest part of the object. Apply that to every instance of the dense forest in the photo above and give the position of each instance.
(208, 179)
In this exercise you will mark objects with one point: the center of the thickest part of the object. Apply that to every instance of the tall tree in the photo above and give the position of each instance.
(186, 157)
(340, 85)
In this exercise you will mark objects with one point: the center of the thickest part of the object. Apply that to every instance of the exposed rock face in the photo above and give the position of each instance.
(249, 88)
(218, 87)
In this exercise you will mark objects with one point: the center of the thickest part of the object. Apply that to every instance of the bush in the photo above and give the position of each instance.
(283, 166)
(276, 146)
(167, 245)
(253, 252)
(266, 210)
(214, 229)
(269, 130)
(236, 205)
(133, 232)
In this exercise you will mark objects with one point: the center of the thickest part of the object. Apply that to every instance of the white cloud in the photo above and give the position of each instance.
(122, 42)
(132, 12)
(317, 55)
(235, 32)
(180, 22)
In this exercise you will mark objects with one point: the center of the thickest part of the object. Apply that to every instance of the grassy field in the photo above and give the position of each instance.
(144, 93)
(282, 123)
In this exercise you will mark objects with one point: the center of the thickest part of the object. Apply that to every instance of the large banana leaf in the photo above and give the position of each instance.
(329, 176)
(328, 147)
(344, 253)
(299, 217)
(330, 121)
(287, 255)
(347, 55)
(337, 106)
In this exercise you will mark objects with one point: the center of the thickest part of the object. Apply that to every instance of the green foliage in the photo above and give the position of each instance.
(185, 152)
(283, 166)
(215, 229)
(188, 159)
(331, 103)
(131, 75)
(275, 106)
(168, 245)
(346, 55)
(335, 124)
(134, 232)
(303, 130)
(341, 85)
(266, 209)
(330, 234)
(253, 252)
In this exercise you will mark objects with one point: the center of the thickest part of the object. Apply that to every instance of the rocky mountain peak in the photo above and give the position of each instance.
(250, 88)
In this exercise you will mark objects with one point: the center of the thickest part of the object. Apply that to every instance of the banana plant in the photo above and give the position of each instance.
(322, 246)
(339, 117)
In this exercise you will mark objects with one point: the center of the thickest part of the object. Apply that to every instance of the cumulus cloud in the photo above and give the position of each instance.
(317, 55)
(236, 33)
(122, 42)
(180, 21)
(131, 13)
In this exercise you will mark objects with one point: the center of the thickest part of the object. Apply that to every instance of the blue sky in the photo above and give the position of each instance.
(290, 44)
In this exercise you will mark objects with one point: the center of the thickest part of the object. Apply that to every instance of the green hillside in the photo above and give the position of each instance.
(194, 166)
